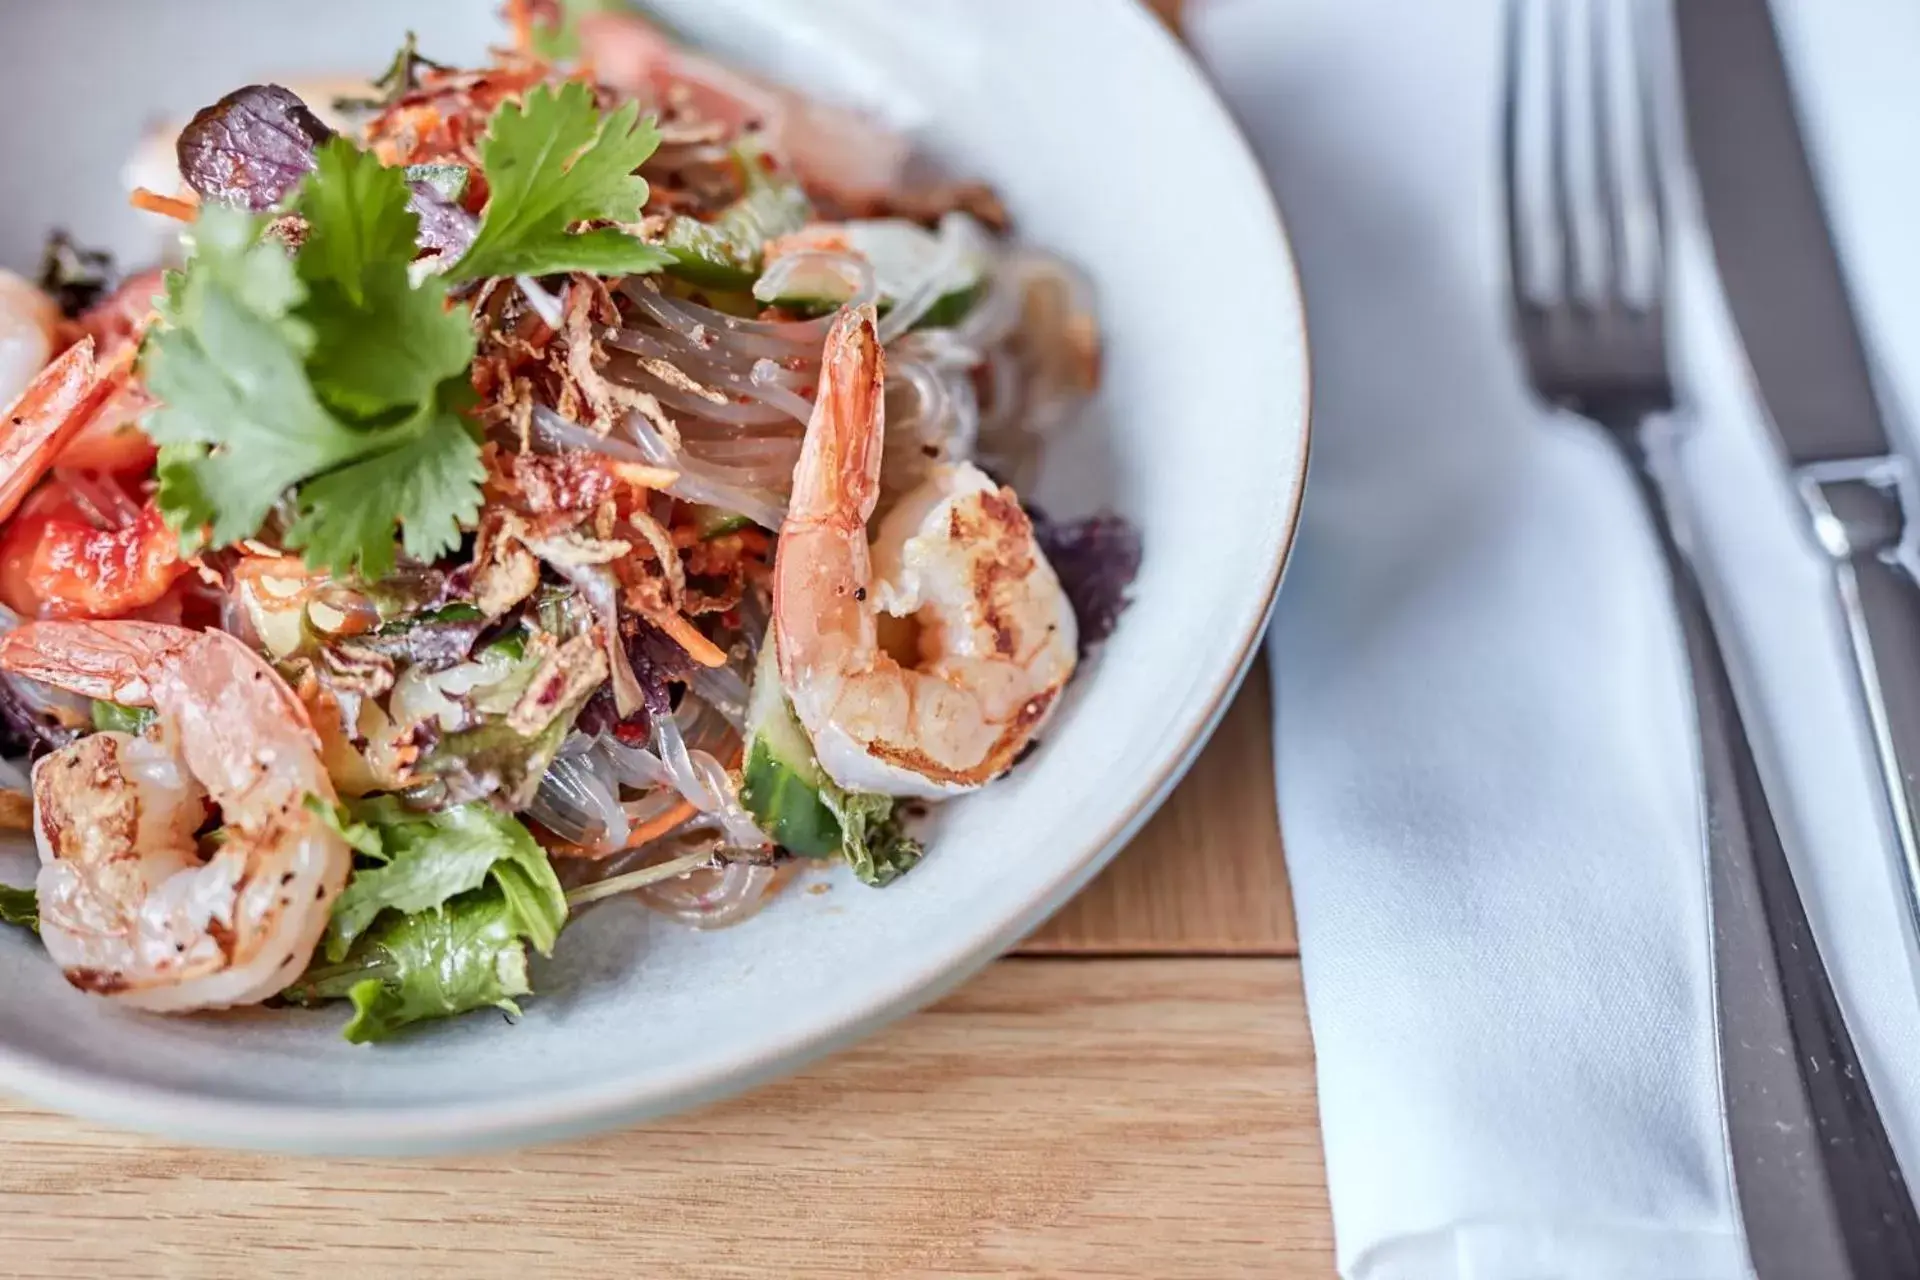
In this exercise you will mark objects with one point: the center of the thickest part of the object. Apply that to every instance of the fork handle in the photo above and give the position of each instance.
(1846, 1211)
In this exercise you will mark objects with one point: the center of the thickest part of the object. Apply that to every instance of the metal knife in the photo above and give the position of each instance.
(1784, 285)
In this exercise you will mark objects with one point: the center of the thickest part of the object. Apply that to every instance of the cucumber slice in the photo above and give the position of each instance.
(111, 717)
(725, 254)
(781, 782)
(787, 791)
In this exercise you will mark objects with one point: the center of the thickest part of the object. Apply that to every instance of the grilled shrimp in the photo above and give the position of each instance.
(129, 907)
(996, 636)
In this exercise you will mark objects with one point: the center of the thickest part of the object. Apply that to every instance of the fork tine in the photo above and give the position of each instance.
(1616, 285)
(1517, 243)
(1646, 102)
(1560, 147)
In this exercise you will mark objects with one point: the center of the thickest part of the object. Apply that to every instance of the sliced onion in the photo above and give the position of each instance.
(960, 236)
(597, 587)
(57, 704)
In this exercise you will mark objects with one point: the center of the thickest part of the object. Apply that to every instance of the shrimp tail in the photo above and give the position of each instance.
(837, 480)
(49, 413)
(110, 663)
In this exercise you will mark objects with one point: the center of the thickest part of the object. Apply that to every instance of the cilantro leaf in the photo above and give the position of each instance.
(379, 342)
(330, 375)
(550, 163)
(467, 954)
(427, 859)
(871, 837)
(238, 420)
(560, 39)
(20, 907)
(432, 476)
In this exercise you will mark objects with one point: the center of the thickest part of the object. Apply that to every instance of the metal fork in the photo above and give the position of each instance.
(1820, 1191)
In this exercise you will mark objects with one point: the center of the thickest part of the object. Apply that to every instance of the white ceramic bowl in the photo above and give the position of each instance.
(1109, 146)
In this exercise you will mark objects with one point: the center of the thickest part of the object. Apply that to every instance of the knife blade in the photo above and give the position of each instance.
(1785, 287)
(1778, 266)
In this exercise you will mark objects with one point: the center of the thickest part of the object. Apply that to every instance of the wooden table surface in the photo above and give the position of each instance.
(1130, 1095)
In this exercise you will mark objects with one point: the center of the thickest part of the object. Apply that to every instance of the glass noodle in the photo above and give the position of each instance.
(739, 393)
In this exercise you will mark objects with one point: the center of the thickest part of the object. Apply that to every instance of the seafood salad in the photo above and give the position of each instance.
(589, 475)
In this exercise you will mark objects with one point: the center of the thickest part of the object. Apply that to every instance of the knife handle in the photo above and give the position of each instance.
(1771, 988)
(1860, 518)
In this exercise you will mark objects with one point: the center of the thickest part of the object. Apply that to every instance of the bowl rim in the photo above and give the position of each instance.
(619, 1102)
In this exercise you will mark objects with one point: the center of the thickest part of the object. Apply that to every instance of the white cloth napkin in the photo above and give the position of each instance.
(1486, 765)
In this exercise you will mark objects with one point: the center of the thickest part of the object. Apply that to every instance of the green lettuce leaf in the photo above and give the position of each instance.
(425, 860)
(437, 917)
(467, 954)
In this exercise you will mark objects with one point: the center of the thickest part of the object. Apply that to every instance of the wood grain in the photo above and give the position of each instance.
(1205, 876)
(1149, 1118)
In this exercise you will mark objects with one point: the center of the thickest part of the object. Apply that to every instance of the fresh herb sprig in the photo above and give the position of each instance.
(335, 378)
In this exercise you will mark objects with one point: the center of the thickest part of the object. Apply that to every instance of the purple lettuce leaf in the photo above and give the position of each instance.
(658, 663)
(251, 148)
(24, 729)
(445, 227)
(1097, 560)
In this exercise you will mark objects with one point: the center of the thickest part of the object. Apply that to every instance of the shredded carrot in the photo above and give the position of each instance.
(171, 206)
(754, 540)
(661, 825)
(688, 637)
(520, 14)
